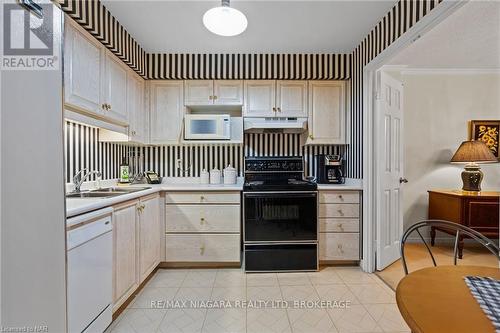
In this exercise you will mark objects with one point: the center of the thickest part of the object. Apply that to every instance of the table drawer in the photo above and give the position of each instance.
(338, 197)
(202, 248)
(338, 246)
(338, 225)
(202, 218)
(202, 198)
(339, 210)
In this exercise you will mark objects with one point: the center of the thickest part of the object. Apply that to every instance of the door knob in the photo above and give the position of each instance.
(403, 180)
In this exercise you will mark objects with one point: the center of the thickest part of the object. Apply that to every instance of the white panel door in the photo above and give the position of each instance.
(115, 89)
(228, 92)
(82, 70)
(166, 112)
(199, 92)
(291, 98)
(327, 113)
(390, 172)
(260, 98)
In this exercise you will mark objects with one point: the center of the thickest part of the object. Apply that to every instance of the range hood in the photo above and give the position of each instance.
(275, 125)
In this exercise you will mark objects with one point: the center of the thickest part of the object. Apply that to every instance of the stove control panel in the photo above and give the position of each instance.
(274, 164)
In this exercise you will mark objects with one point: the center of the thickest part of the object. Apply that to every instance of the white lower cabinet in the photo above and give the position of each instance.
(136, 245)
(202, 227)
(339, 225)
(202, 247)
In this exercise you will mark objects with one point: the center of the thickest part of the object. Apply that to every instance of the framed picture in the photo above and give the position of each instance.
(486, 131)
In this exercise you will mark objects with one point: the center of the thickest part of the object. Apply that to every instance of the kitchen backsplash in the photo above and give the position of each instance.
(83, 149)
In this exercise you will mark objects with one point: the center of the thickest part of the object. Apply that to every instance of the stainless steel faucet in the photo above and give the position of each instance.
(80, 177)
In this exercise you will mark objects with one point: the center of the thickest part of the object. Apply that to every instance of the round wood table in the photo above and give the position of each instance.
(437, 299)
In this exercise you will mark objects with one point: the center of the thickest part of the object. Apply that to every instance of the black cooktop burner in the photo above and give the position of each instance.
(276, 174)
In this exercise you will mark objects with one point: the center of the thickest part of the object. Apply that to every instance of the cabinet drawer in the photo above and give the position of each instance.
(339, 197)
(203, 197)
(202, 248)
(338, 225)
(338, 246)
(339, 210)
(202, 218)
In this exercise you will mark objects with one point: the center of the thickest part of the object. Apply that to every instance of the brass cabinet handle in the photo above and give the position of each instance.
(104, 107)
(202, 220)
(340, 248)
(340, 197)
(109, 107)
(341, 227)
(202, 198)
(274, 109)
(279, 109)
(133, 132)
(210, 97)
(215, 97)
(311, 137)
(340, 212)
(202, 250)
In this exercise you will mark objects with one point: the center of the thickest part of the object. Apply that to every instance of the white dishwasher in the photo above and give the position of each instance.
(90, 271)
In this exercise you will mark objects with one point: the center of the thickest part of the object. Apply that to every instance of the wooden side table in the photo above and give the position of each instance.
(476, 210)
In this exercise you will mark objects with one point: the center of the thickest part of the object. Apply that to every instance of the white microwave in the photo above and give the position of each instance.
(207, 127)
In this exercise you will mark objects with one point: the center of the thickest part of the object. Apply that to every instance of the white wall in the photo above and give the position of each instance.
(437, 108)
(33, 267)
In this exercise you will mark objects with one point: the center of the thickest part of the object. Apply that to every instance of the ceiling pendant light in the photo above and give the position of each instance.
(224, 20)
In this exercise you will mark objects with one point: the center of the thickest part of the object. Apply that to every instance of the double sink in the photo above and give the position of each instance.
(105, 192)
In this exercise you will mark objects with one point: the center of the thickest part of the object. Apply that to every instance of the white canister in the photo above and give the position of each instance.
(215, 176)
(229, 175)
(204, 177)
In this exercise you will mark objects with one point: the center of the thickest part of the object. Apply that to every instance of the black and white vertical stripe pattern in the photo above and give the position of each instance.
(83, 150)
(283, 144)
(394, 24)
(249, 66)
(188, 160)
(97, 20)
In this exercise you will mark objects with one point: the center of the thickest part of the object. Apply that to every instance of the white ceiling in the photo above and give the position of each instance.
(468, 39)
(273, 26)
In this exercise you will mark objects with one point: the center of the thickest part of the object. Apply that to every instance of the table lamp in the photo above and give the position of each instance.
(472, 153)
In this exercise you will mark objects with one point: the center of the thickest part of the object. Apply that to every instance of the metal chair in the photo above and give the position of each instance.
(458, 228)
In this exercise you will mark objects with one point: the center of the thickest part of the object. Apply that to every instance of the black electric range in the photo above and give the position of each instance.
(280, 209)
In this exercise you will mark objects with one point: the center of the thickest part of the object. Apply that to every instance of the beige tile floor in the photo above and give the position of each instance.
(417, 257)
(372, 304)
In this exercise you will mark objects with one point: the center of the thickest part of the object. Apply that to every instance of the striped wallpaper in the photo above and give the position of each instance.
(394, 24)
(249, 66)
(94, 17)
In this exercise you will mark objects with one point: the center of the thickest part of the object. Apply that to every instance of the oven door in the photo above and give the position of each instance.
(280, 216)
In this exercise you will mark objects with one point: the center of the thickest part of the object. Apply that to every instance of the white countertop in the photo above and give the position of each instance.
(350, 184)
(77, 206)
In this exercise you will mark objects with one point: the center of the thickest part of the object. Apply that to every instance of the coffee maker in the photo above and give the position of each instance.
(329, 169)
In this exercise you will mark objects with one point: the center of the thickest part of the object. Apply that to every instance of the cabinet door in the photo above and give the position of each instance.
(199, 92)
(166, 111)
(291, 98)
(327, 123)
(138, 117)
(124, 254)
(115, 89)
(82, 70)
(259, 98)
(228, 92)
(149, 236)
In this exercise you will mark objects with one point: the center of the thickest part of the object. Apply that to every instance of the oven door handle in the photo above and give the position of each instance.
(281, 195)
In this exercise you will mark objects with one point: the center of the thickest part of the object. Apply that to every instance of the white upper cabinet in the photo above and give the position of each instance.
(270, 98)
(138, 115)
(291, 98)
(166, 111)
(327, 112)
(228, 92)
(115, 89)
(213, 92)
(82, 70)
(260, 98)
(199, 92)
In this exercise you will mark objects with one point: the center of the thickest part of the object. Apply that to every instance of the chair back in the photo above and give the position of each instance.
(457, 228)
